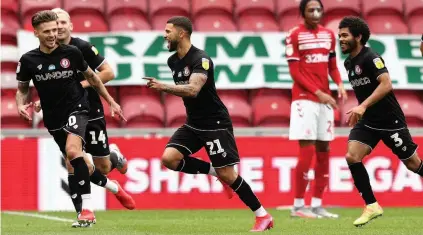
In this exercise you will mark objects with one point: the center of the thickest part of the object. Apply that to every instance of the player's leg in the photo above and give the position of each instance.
(402, 145)
(303, 128)
(325, 134)
(97, 148)
(361, 142)
(98, 141)
(74, 144)
(222, 150)
(177, 156)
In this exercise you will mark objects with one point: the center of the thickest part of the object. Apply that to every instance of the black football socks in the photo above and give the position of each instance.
(362, 182)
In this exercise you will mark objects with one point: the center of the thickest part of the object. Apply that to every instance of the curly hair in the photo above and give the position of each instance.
(303, 5)
(356, 26)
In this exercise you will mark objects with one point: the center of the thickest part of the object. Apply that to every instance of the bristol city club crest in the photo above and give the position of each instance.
(357, 70)
(65, 63)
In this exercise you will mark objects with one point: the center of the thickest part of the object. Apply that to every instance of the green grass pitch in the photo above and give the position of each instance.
(395, 221)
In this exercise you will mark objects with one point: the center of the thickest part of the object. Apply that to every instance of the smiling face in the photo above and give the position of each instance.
(65, 27)
(47, 34)
(313, 13)
(347, 41)
(173, 36)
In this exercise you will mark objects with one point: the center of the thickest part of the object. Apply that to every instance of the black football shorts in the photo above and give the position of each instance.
(220, 144)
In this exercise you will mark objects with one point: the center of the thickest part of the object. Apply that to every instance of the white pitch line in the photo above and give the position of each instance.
(36, 215)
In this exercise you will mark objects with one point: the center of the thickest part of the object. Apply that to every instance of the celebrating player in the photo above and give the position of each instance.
(105, 158)
(378, 115)
(310, 51)
(53, 69)
(208, 122)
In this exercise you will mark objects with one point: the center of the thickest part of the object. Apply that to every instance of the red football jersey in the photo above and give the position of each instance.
(312, 49)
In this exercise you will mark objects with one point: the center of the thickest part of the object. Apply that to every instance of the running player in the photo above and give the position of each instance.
(310, 51)
(96, 134)
(378, 115)
(208, 123)
(53, 68)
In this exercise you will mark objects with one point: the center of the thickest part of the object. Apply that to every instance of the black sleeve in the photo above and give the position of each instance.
(22, 71)
(422, 37)
(169, 63)
(201, 65)
(375, 65)
(81, 64)
(91, 55)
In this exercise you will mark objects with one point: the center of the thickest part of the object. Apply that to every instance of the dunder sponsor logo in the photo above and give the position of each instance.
(54, 75)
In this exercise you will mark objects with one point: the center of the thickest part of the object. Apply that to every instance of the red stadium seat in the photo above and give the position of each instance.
(87, 16)
(138, 90)
(385, 16)
(175, 111)
(211, 7)
(272, 92)
(9, 114)
(162, 10)
(258, 23)
(127, 15)
(9, 58)
(382, 7)
(30, 7)
(126, 6)
(239, 110)
(287, 12)
(289, 21)
(9, 26)
(254, 6)
(271, 111)
(142, 111)
(256, 15)
(128, 22)
(214, 22)
(241, 94)
(335, 10)
(84, 6)
(11, 6)
(412, 107)
(88, 22)
(414, 12)
(388, 24)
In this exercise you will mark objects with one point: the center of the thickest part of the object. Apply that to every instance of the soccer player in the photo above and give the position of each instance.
(378, 115)
(310, 51)
(96, 134)
(53, 68)
(208, 122)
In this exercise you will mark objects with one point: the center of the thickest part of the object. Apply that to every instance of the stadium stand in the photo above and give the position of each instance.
(257, 107)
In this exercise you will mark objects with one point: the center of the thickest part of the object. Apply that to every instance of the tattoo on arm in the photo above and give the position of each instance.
(96, 83)
(23, 93)
(196, 82)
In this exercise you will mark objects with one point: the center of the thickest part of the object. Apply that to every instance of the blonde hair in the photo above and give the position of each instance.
(61, 11)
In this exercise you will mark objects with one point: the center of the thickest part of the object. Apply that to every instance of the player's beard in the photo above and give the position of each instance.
(173, 45)
(351, 45)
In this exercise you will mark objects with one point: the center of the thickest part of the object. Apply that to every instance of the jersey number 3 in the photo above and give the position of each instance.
(398, 141)
(211, 147)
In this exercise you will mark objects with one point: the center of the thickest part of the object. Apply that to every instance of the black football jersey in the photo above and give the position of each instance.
(94, 60)
(55, 77)
(206, 111)
(363, 73)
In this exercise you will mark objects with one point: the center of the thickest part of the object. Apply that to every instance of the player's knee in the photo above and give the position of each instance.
(91, 167)
(353, 157)
(322, 146)
(413, 163)
(72, 152)
(227, 174)
(171, 158)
